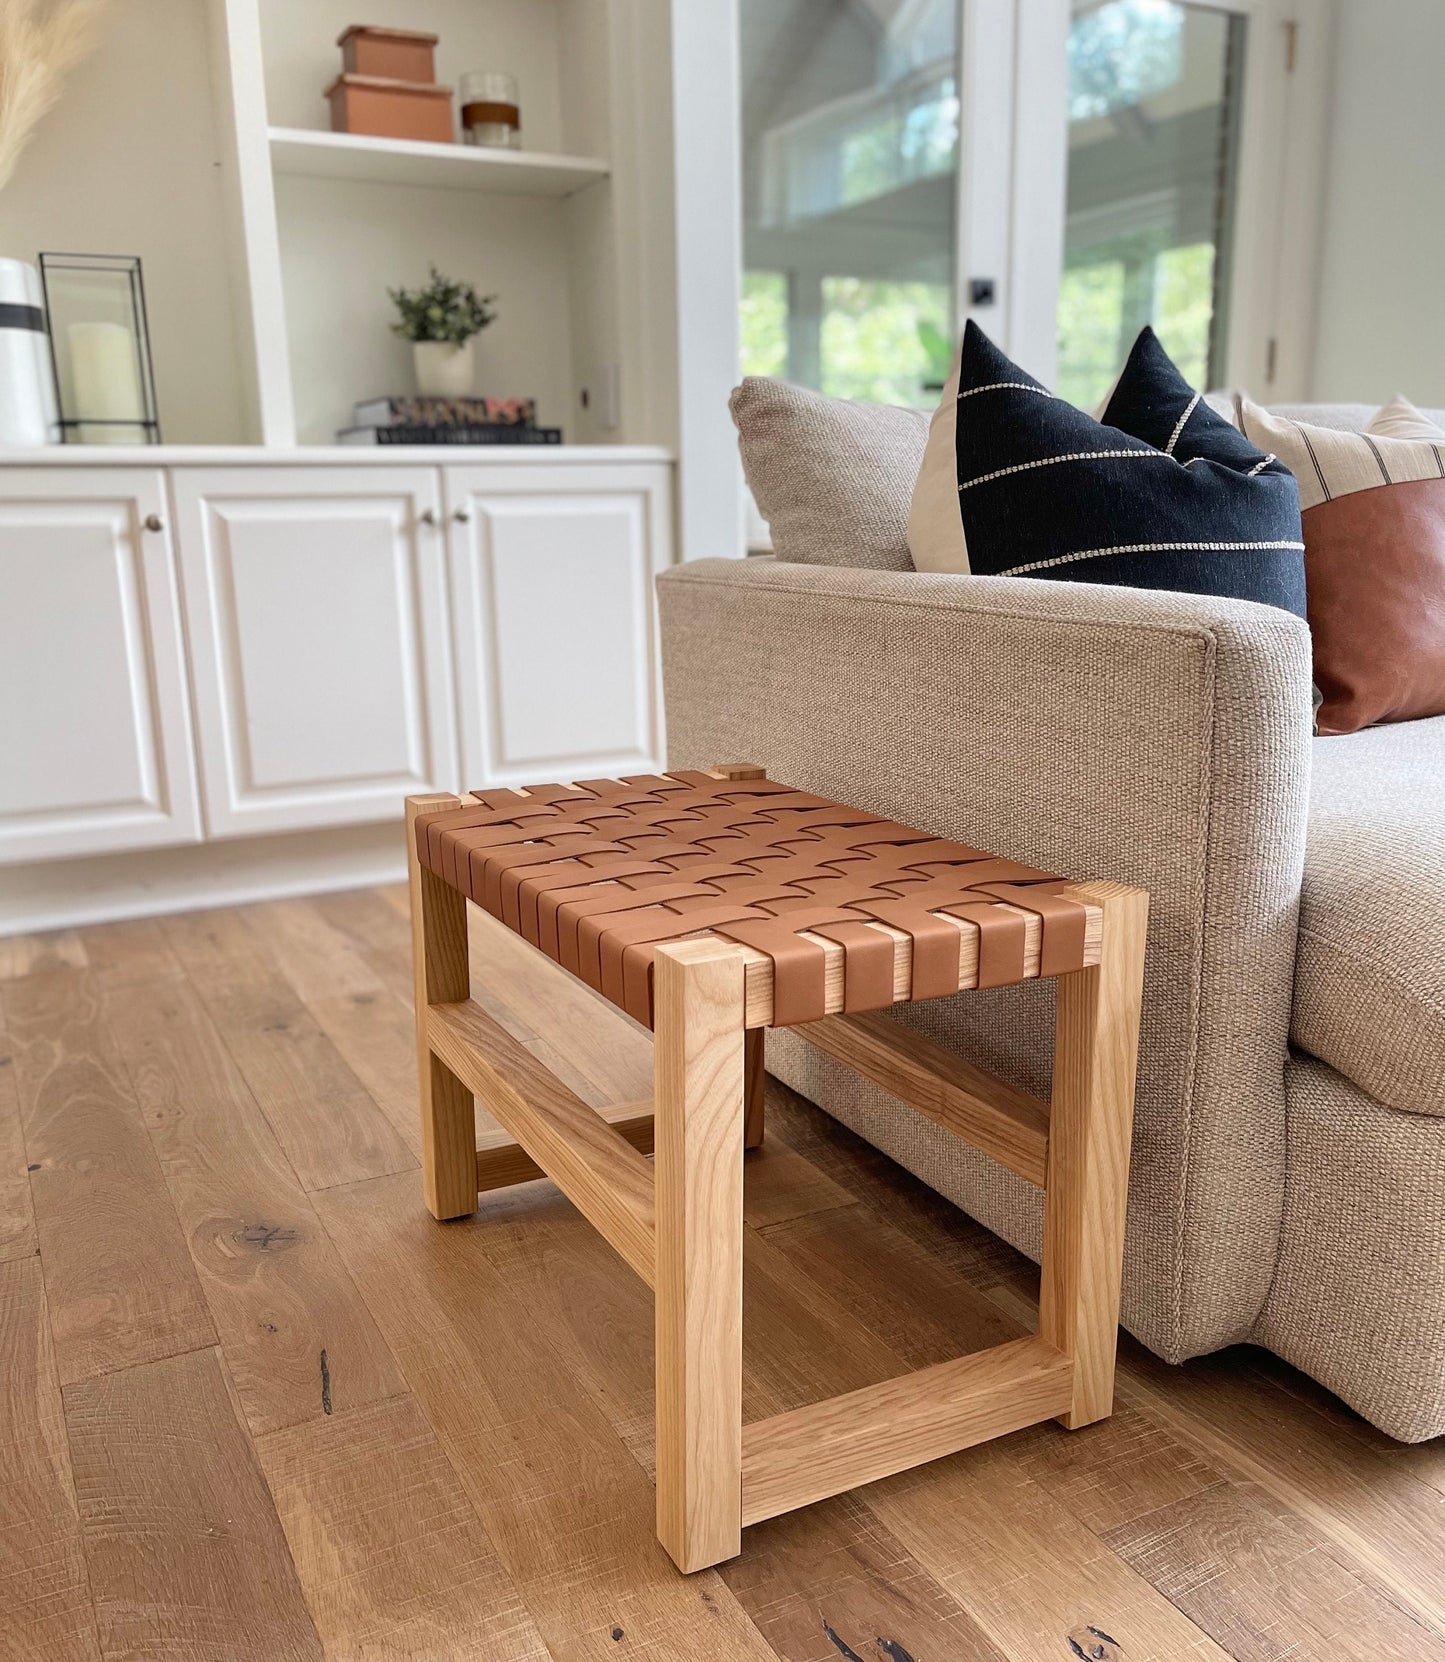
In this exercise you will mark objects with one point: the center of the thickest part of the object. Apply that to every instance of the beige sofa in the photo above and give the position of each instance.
(1288, 1181)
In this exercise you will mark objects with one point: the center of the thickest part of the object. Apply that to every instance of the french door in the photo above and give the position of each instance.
(1063, 171)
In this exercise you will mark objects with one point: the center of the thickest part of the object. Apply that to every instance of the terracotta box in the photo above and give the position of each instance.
(394, 54)
(391, 109)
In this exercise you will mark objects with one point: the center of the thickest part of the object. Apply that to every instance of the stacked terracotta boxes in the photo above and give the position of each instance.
(388, 89)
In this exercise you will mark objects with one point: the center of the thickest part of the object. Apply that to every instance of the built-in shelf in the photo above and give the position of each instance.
(441, 166)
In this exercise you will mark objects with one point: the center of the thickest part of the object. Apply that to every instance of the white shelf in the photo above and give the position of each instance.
(441, 166)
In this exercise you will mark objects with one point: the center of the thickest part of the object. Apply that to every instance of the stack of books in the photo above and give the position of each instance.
(448, 421)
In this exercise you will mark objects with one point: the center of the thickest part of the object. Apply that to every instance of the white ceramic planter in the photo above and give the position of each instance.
(444, 370)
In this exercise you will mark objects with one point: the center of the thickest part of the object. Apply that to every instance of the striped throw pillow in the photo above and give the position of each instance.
(1164, 493)
(1398, 446)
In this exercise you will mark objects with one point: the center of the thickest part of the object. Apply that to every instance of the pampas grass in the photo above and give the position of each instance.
(39, 41)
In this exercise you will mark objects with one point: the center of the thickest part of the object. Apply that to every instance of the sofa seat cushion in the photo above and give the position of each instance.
(1370, 973)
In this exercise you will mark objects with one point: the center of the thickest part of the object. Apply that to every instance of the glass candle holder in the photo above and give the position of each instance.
(490, 114)
(100, 342)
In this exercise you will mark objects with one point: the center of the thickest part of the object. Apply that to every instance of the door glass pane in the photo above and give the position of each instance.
(1154, 91)
(850, 147)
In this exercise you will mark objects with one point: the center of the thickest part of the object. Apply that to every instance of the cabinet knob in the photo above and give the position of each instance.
(153, 522)
(462, 517)
(427, 516)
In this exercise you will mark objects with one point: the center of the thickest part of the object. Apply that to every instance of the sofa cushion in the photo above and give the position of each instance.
(1370, 972)
(1374, 529)
(1162, 494)
(832, 478)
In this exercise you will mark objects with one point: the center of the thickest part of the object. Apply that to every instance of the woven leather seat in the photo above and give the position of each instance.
(598, 874)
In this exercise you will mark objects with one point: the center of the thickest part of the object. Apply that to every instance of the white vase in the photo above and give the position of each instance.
(27, 383)
(442, 369)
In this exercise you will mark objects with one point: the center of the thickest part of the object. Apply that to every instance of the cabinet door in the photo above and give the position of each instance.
(556, 636)
(316, 606)
(95, 743)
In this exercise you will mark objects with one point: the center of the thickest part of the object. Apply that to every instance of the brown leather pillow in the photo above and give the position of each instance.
(1375, 585)
(1374, 526)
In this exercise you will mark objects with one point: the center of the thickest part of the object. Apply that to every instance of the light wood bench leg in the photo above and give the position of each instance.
(753, 1083)
(440, 975)
(1090, 1123)
(698, 1140)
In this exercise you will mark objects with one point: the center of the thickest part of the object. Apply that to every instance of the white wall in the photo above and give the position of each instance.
(127, 163)
(1381, 320)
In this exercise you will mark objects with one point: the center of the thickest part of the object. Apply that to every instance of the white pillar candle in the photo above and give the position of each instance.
(105, 372)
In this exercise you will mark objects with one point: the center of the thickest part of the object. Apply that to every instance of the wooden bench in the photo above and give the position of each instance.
(711, 906)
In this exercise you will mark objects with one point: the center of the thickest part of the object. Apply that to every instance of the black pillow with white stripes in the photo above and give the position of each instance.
(1162, 494)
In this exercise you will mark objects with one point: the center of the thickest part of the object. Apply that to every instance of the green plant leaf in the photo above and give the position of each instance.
(445, 310)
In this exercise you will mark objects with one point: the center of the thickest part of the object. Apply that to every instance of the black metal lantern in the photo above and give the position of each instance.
(100, 346)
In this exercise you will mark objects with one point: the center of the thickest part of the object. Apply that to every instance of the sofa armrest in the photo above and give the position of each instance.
(1160, 739)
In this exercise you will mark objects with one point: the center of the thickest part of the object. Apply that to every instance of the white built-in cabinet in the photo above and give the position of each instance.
(226, 651)
(316, 609)
(97, 737)
(553, 608)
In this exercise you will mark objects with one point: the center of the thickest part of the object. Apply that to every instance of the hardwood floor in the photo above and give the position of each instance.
(255, 1404)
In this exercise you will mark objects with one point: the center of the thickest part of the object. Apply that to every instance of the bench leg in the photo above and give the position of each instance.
(698, 1139)
(753, 1081)
(1090, 1123)
(440, 975)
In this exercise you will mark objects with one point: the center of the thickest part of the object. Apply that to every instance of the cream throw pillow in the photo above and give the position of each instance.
(935, 535)
(1399, 419)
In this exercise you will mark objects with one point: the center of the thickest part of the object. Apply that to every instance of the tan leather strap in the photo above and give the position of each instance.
(597, 875)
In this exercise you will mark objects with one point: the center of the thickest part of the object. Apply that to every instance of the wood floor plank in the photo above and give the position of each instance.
(1377, 1513)
(924, 1311)
(26, 955)
(120, 1282)
(951, 1238)
(45, 1609)
(376, 929)
(801, 1343)
(1036, 1579)
(1425, 1461)
(1265, 1585)
(298, 1341)
(135, 949)
(1106, 1474)
(829, 1570)
(780, 1184)
(833, 1576)
(600, 1042)
(391, 1555)
(373, 1033)
(317, 959)
(367, 1012)
(186, 1555)
(327, 1123)
(568, 1509)
(17, 1215)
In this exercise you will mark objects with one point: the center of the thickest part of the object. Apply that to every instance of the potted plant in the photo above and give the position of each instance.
(441, 321)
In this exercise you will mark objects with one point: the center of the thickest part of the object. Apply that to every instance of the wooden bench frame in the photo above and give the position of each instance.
(678, 1222)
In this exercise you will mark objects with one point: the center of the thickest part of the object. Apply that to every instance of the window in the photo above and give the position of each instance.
(1154, 92)
(850, 146)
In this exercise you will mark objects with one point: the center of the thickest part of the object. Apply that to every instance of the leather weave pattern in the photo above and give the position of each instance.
(598, 874)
